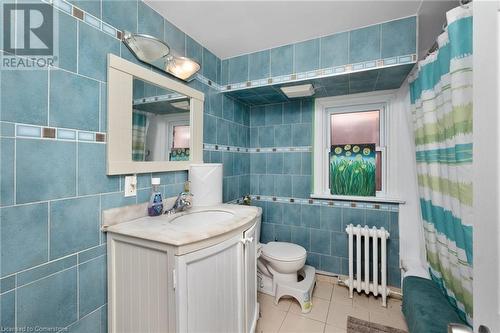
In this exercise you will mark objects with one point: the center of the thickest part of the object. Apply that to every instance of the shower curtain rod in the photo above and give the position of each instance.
(434, 47)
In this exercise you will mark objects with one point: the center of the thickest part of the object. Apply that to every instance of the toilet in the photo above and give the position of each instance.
(281, 272)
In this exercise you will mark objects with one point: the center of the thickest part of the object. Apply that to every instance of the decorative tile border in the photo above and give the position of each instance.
(158, 98)
(208, 82)
(54, 133)
(280, 149)
(83, 16)
(214, 147)
(324, 202)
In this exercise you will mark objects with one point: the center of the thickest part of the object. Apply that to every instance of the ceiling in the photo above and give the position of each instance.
(231, 28)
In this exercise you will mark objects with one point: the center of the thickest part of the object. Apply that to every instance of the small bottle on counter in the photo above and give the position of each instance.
(155, 206)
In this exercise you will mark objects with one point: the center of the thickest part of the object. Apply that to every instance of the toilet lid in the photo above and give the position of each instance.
(283, 251)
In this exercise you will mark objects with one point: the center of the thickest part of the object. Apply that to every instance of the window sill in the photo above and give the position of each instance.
(357, 198)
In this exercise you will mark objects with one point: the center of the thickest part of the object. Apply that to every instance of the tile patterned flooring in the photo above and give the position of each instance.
(331, 306)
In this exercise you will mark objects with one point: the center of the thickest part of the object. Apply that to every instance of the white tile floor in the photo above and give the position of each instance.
(331, 306)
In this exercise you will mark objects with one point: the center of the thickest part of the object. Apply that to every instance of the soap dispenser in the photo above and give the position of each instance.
(155, 205)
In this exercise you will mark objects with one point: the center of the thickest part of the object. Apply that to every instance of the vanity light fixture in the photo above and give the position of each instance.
(156, 52)
(145, 47)
(184, 105)
(303, 90)
(181, 67)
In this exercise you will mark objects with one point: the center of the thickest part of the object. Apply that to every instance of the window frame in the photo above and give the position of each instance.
(324, 108)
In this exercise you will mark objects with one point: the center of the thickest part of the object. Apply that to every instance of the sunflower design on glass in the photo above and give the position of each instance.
(352, 169)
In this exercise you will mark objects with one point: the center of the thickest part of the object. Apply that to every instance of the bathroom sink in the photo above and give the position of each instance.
(197, 218)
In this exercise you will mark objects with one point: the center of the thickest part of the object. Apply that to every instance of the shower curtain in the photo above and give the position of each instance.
(441, 105)
(139, 130)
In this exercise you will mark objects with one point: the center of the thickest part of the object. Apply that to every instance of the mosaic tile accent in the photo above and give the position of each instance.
(92, 21)
(99, 137)
(86, 136)
(28, 131)
(63, 134)
(213, 147)
(157, 98)
(325, 202)
(78, 13)
(49, 133)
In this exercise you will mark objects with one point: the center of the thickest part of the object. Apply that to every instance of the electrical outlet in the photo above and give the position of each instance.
(130, 186)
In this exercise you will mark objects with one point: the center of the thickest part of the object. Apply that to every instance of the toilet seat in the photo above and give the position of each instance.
(282, 251)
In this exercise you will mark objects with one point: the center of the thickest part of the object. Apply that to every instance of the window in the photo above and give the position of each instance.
(182, 136)
(358, 127)
(350, 120)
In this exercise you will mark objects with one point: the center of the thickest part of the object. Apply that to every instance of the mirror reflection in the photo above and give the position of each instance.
(160, 123)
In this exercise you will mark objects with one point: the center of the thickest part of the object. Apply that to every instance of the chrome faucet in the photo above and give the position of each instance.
(183, 201)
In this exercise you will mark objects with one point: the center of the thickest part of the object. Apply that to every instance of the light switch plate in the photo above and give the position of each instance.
(130, 186)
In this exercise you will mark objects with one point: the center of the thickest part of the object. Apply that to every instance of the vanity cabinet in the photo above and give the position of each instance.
(155, 287)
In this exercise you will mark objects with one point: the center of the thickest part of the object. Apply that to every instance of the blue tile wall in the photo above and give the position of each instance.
(13, 95)
(83, 96)
(278, 171)
(37, 302)
(307, 56)
(24, 237)
(321, 231)
(45, 180)
(398, 37)
(379, 41)
(120, 14)
(149, 21)
(334, 50)
(259, 65)
(194, 50)
(68, 39)
(238, 69)
(282, 60)
(93, 47)
(53, 254)
(92, 281)
(68, 215)
(45, 170)
(364, 44)
(176, 39)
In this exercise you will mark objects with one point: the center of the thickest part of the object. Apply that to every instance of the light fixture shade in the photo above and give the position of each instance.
(156, 52)
(182, 67)
(147, 48)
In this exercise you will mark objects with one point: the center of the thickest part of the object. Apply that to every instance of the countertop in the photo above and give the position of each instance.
(160, 229)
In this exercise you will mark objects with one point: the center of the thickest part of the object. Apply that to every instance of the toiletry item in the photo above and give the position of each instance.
(247, 200)
(155, 206)
(206, 184)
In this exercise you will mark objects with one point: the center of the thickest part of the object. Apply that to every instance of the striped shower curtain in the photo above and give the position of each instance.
(441, 104)
(139, 130)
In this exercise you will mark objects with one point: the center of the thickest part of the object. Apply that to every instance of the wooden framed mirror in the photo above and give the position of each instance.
(154, 123)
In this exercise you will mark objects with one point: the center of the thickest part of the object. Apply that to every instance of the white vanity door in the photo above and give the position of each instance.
(251, 310)
(209, 290)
